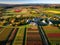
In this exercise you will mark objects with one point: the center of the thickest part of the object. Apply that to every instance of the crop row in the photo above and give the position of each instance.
(4, 34)
(12, 36)
(53, 34)
(19, 37)
(33, 37)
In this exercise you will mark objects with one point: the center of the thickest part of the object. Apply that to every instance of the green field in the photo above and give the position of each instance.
(15, 30)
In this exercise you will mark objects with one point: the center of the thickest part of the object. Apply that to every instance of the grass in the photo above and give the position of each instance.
(54, 9)
(48, 11)
(51, 11)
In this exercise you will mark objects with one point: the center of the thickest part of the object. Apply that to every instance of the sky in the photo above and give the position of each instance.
(30, 1)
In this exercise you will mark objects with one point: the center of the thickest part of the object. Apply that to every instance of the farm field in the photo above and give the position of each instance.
(53, 34)
(30, 25)
(32, 36)
(19, 37)
(52, 10)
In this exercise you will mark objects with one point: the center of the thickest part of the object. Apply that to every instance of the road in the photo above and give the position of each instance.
(43, 36)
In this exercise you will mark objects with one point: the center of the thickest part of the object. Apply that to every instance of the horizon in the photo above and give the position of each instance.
(29, 1)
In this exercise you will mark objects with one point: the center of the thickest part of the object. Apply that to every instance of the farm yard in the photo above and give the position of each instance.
(30, 25)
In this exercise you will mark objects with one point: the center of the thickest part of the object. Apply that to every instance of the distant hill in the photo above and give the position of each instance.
(44, 5)
(5, 5)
